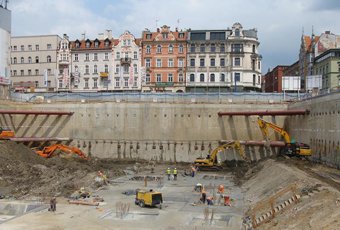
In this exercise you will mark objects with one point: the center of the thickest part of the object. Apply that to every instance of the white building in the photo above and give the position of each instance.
(127, 63)
(5, 37)
(223, 60)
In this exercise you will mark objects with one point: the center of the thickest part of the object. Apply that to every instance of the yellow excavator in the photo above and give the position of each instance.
(211, 162)
(291, 148)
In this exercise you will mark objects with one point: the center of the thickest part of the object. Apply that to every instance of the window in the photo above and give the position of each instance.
(36, 59)
(117, 68)
(165, 35)
(106, 56)
(22, 72)
(22, 60)
(106, 68)
(180, 77)
(237, 48)
(36, 72)
(49, 46)
(96, 44)
(258, 80)
(107, 43)
(95, 69)
(254, 48)
(48, 71)
(37, 47)
(36, 84)
(180, 62)
(259, 65)
(212, 62)
(202, 62)
(117, 55)
(126, 82)
(95, 83)
(159, 49)
(180, 48)
(22, 48)
(77, 44)
(76, 57)
(192, 62)
(86, 83)
(124, 42)
(181, 35)
(15, 48)
(201, 77)
(171, 49)
(87, 44)
(29, 72)
(148, 49)
(222, 77)
(237, 32)
(135, 55)
(87, 69)
(135, 69)
(237, 77)
(63, 45)
(202, 48)
(253, 64)
(212, 48)
(159, 77)
(126, 54)
(14, 73)
(148, 62)
(49, 58)
(15, 60)
(217, 35)
(222, 62)
(148, 36)
(95, 57)
(237, 61)
(126, 68)
(159, 63)
(117, 81)
(192, 48)
(135, 81)
(254, 79)
(170, 77)
(29, 47)
(192, 77)
(147, 78)
(212, 77)
(171, 62)
(87, 57)
(222, 48)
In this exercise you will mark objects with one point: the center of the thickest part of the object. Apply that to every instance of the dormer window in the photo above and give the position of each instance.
(165, 35)
(96, 44)
(237, 33)
(148, 36)
(181, 35)
(107, 43)
(88, 44)
(77, 44)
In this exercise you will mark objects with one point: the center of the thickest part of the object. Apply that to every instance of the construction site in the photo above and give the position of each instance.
(123, 165)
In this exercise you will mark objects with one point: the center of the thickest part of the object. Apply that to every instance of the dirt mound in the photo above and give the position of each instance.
(25, 174)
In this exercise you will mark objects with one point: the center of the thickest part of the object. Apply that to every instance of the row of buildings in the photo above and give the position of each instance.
(164, 60)
(317, 67)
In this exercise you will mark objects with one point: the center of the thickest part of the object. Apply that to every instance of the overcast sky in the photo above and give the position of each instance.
(280, 23)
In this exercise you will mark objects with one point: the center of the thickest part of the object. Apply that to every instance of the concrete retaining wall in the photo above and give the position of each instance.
(159, 131)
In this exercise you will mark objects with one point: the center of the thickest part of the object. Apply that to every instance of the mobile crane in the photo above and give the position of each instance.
(291, 148)
(212, 163)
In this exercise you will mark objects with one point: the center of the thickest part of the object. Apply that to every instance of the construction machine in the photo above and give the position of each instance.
(211, 162)
(291, 148)
(50, 151)
(148, 198)
(6, 133)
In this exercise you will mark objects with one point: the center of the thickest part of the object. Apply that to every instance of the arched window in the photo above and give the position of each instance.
(159, 49)
(148, 49)
(237, 33)
(192, 77)
(212, 48)
(87, 70)
(49, 58)
(222, 48)
(202, 48)
(95, 69)
(180, 48)
(212, 77)
(106, 68)
(222, 77)
(15, 60)
(171, 48)
(192, 48)
(36, 59)
(22, 59)
(135, 68)
(29, 60)
(201, 77)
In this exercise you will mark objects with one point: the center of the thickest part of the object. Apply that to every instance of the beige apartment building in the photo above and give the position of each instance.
(34, 62)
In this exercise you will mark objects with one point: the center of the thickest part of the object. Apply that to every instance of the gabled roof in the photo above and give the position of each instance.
(92, 45)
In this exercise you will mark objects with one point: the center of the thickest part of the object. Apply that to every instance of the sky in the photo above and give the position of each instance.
(280, 23)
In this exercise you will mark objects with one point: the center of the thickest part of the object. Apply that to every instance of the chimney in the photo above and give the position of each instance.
(108, 34)
(327, 32)
(158, 30)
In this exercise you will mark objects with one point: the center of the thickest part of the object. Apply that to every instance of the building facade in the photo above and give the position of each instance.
(327, 64)
(164, 58)
(34, 62)
(5, 37)
(273, 79)
(127, 75)
(223, 60)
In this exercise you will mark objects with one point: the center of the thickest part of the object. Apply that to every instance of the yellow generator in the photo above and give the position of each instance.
(148, 198)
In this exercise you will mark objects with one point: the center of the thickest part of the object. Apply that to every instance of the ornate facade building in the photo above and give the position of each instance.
(223, 60)
(126, 53)
(164, 60)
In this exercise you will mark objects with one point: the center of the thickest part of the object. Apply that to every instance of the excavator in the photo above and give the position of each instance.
(291, 148)
(50, 151)
(6, 133)
(211, 162)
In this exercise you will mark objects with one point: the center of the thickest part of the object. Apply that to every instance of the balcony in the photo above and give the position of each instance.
(164, 84)
(125, 61)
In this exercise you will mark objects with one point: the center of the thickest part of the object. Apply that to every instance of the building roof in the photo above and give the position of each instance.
(101, 44)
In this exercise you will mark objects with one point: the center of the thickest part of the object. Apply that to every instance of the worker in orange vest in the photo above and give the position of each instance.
(227, 201)
(220, 189)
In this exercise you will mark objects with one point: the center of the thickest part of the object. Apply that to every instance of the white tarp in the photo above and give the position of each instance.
(313, 82)
(291, 83)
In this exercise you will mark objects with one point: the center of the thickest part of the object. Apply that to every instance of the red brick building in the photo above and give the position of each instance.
(273, 79)
(164, 60)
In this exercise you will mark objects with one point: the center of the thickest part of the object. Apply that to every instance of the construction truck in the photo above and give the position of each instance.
(211, 162)
(6, 133)
(52, 150)
(291, 147)
(148, 198)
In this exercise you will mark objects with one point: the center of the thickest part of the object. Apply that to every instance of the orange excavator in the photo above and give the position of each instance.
(6, 133)
(50, 151)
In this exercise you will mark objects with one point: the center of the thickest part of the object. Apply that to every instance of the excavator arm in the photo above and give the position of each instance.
(264, 129)
(49, 151)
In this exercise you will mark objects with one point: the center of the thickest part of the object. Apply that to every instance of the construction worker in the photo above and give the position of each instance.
(168, 172)
(210, 200)
(220, 189)
(227, 201)
(53, 204)
(103, 177)
(193, 171)
(175, 174)
(203, 195)
(198, 187)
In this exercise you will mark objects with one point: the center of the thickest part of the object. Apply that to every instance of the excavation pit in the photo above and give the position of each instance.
(11, 210)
